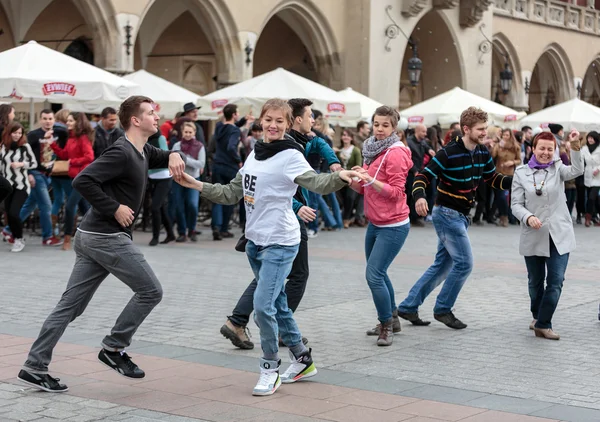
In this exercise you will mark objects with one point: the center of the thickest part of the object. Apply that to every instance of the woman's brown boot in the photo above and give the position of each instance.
(546, 333)
(588, 220)
(67, 243)
(386, 334)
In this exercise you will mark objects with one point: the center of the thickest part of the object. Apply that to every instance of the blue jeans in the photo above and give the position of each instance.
(453, 263)
(316, 202)
(61, 187)
(74, 200)
(544, 301)
(40, 198)
(335, 208)
(221, 214)
(186, 208)
(271, 266)
(382, 244)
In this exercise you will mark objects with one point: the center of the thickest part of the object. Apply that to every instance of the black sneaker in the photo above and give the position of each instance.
(413, 318)
(43, 382)
(181, 238)
(450, 320)
(193, 237)
(153, 242)
(121, 362)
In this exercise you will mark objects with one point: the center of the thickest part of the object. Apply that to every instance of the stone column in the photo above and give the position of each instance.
(121, 55)
(235, 63)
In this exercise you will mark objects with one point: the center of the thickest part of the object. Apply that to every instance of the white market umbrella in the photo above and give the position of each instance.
(367, 106)
(447, 107)
(250, 95)
(34, 72)
(572, 114)
(168, 96)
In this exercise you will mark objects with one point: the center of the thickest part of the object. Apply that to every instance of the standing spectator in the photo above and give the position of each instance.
(7, 115)
(5, 188)
(80, 154)
(570, 187)
(60, 181)
(547, 236)
(527, 139)
(363, 131)
(106, 131)
(419, 148)
(190, 110)
(591, 156)
(506, 155)
(160, 186)
(256, 134)
(38, 140)
(16, 157)
(186, 198)
(450, 134)
(167, 127)
(350, 156)
(226, 164)
(559, 133)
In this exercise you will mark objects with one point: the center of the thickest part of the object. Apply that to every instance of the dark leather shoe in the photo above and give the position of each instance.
(182, 238)
(386, 334)
(153, 242)
(413, 318)
(226, 235)
(450, 321)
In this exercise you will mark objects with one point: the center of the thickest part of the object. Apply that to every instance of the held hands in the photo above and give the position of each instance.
(124, 216)
(176, 165)
(348, 175)
(16, 165)
(335, 167)
(421, 207)
(188, 181)
(534, 222)
(363, 174)
(307, 214)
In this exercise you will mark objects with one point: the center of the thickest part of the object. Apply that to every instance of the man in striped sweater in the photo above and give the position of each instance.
(458, 166)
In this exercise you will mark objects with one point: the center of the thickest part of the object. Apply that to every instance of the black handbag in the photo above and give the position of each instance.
(241, 244)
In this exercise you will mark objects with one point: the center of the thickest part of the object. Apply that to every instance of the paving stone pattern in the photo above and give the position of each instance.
(496, 354)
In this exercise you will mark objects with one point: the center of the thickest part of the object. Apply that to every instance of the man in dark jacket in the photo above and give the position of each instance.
(419, 148)
(107, 131)
(226, 164)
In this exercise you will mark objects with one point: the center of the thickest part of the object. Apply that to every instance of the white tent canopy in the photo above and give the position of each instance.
(33, 71)
(250, 95)
(367, 106)
(572, 114)
(446, 108)
(169, 97)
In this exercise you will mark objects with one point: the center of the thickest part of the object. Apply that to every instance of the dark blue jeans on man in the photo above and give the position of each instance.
(545, 299)
(39, 198)
(453, 263)
(221, 214)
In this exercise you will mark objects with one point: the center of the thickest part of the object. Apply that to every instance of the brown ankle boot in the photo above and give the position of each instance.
(588, 220)
(239, 336)
(386, 335)
(546, 333)
(504, 221)
(396, 326)
(67, 243)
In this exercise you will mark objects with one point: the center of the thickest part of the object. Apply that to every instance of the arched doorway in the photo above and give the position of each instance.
(59, 25)
(309, 45)
(269, 55)
(590, 88)
(6, 35)
(174, 42)
(437, 48)
(551, 79)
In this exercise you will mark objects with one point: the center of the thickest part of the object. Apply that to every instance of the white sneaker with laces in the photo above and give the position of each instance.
(311, 234)
(300, 368)
(269, 380)
(18, 246)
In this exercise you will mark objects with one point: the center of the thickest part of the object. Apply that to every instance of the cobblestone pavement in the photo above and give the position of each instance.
(496, 356)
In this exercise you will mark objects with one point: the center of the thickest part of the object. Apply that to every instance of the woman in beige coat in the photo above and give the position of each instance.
(547, 236)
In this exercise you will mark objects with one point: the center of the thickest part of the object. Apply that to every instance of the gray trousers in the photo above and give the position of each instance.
(96, 257)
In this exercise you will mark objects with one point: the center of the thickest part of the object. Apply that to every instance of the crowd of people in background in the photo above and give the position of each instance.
(41, 164)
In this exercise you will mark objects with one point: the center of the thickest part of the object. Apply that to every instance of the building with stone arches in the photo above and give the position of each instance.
(552, 47)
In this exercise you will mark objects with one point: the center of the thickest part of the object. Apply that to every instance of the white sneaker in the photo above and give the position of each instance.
(300, 368)
(18, 246)
(269, 380)
(311, 234)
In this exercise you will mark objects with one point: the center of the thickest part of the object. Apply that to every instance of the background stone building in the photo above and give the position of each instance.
(551, 47)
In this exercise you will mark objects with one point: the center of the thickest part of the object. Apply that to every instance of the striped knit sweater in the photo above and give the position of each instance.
(459, 172)
(17, 177)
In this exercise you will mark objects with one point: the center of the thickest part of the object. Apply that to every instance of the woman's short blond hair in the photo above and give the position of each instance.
(278, 104)
(190, 125)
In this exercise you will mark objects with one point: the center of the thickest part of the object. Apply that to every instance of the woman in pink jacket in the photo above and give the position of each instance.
(386, 164)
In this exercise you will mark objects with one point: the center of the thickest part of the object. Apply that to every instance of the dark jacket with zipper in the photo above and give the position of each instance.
(459, 172)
